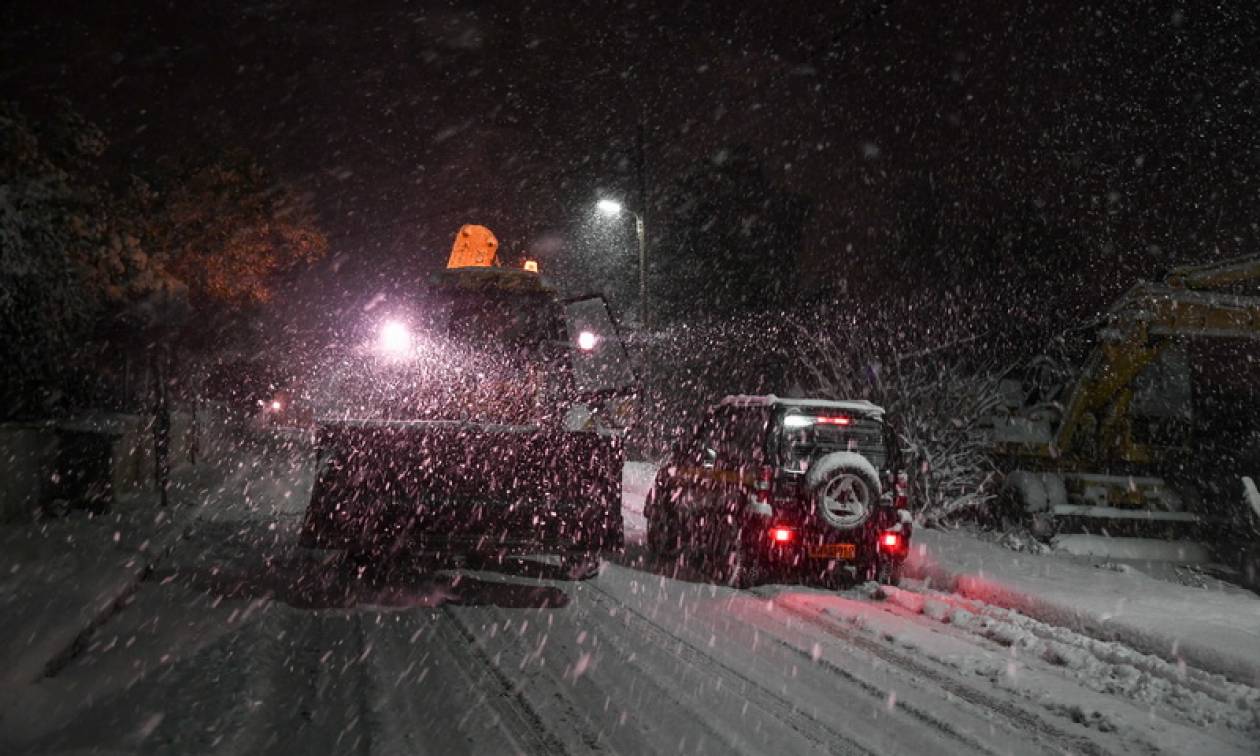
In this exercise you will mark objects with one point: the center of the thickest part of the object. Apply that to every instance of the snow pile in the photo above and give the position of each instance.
(62, 576)
(636, 483)
(1019, 539)
(1104, 666)
(1217, 630)
(1144, 549)
(1252, 494)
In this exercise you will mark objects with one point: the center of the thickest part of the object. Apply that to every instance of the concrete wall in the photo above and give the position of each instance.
(28, 452)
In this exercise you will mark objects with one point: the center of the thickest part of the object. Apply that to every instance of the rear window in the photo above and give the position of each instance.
(806, 436)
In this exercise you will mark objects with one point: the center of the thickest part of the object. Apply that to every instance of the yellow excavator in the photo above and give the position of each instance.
(1159, 431)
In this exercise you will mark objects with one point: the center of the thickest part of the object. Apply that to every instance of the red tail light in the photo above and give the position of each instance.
(765, 483)
(836, 420)
(901, 491)
(891, 542)
(782, 535)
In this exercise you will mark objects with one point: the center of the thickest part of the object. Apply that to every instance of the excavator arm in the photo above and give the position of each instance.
(1141, 325)
(1215, 275)
(1110, 459)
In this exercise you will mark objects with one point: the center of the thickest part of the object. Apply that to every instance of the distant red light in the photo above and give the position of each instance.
(781, 535)
(890, 541)
(837, 420)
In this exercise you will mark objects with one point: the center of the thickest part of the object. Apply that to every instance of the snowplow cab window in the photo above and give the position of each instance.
(522, 321)
(600, 361)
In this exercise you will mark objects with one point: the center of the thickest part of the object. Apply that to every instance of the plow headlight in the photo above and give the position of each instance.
(395, 338)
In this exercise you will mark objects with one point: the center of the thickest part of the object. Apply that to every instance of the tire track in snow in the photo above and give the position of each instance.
(555, 689)
(510, 702)
(665, 681)
(789, 714)
(1018, 716)
(641, 713)
(350, 672)
(331, 707)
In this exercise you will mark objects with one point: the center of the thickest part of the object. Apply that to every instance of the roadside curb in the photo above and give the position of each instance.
(62, 647)
(1158, 640)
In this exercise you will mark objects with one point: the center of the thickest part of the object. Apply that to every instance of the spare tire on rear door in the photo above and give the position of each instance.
(845, 489)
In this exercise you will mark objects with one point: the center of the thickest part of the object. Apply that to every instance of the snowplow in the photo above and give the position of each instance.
(475, 418)
(1156, 433)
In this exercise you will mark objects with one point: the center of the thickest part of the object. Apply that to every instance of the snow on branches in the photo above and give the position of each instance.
(936, 396)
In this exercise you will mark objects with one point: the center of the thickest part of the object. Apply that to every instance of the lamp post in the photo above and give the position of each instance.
(613, 208)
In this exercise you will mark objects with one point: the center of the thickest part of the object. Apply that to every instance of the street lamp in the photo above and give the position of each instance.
(613, 208)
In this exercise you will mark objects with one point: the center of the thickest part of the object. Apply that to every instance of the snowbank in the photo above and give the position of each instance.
(1140, 549)
(636, 481)
(61, 578)
(1214, 630)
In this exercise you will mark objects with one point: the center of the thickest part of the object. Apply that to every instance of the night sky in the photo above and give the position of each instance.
(917, 131)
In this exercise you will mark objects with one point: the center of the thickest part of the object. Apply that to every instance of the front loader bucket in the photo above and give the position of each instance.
(455, 486)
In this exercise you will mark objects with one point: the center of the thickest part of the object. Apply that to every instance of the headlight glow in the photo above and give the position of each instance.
(395, 338)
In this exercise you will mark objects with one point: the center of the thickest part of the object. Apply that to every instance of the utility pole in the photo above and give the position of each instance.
(640, 218)
(159, 364)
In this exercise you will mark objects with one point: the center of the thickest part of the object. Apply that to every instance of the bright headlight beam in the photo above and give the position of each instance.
(587, 340)
(395, 338)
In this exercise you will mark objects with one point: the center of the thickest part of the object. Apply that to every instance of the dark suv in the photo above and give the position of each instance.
(770, 485)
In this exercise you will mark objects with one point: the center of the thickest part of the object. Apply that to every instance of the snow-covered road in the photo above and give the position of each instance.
(242, 643)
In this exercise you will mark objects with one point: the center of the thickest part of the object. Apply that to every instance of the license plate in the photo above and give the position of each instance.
(834, 551)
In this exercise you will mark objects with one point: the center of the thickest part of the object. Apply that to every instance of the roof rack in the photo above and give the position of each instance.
(770, 400)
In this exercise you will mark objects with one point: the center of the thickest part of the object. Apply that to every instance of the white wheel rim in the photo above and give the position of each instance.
(844, 501)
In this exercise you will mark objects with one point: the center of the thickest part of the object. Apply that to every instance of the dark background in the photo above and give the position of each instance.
(1031, 158)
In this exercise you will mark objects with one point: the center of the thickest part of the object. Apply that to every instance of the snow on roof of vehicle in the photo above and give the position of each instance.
(770, 400)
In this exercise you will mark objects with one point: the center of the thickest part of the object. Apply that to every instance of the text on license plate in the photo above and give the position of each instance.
(833, 551)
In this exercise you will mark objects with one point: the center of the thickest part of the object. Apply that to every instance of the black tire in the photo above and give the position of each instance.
(888, 572)
(579, 566)
(663, 533)
(743, 570)
(832, 576)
